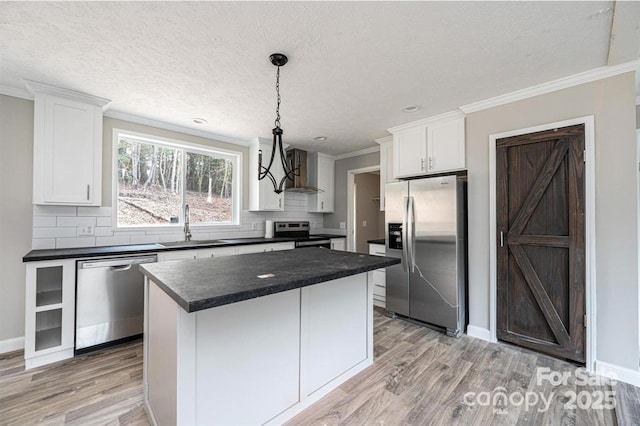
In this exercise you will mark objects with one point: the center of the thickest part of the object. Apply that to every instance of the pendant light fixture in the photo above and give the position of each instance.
(279, 60)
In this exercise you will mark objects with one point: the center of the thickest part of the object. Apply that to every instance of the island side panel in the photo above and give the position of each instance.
(248, 359)
(336, 330)
(161, 354)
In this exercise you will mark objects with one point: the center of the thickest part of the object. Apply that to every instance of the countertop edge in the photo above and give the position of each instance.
(119, 250)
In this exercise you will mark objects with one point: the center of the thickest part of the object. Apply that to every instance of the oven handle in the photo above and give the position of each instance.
(316, 243)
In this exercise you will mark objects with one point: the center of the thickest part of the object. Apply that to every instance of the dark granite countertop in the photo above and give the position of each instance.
(82, 252)
(206, 283)
(380, 241)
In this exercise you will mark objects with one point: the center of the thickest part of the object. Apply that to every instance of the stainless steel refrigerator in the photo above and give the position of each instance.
(425, 226)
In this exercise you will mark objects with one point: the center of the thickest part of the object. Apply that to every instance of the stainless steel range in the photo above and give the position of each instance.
(300, 231)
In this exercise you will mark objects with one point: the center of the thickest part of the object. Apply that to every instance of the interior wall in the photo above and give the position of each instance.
(367, 209)
(332, 220)
(16, 183)
(637, 116)
(612, 102)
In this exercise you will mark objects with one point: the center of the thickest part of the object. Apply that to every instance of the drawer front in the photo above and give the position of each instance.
(377, 249)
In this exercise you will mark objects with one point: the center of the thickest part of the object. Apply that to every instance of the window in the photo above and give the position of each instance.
(155, 178)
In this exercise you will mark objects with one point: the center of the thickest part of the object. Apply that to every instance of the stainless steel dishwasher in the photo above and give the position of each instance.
(109, 300)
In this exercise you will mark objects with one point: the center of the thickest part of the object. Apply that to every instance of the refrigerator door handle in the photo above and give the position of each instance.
(405, 240)
(412, 234)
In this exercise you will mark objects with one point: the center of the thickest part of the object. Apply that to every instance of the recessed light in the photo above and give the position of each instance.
(200, 121)
(320, 138)
(412, 108)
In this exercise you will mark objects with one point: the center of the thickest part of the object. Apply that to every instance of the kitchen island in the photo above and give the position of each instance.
(257, 338)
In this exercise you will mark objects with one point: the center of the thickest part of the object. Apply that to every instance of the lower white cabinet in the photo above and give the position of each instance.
(49, 311)
(337, 244)
(261, 248)
(223, 251)
(378, 278)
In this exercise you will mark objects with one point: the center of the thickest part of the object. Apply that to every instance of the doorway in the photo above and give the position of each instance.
(365, 221)
(540, 220)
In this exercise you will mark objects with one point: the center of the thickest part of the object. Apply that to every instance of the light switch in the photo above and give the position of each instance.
(364, 223)
(343, 225)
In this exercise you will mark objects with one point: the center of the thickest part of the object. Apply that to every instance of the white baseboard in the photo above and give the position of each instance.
(622, 374)
(479, 332)
(11, 345)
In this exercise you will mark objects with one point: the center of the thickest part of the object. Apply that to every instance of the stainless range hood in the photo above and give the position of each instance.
(300, 183)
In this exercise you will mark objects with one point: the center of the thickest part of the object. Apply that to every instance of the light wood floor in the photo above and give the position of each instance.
(420, 377)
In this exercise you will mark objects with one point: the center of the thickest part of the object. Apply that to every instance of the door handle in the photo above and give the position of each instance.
(422, 164)
(280, 202)
(88, 192)
(120, 268)
(412, 233)
(430, 163)
(405, 247)
(501, 239)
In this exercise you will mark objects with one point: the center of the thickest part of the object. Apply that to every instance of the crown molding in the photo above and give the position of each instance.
(15, 92)
(357, 153)
(552, 86)
(118, 115)
(451, 115)
(37, 87)
(383, 140)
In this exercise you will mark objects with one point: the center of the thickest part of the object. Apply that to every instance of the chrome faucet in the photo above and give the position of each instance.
(187, 231)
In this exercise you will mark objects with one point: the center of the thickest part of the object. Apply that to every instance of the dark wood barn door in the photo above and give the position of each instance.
(541, 251)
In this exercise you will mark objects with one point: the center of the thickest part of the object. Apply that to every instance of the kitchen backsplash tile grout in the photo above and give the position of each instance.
(57, 226)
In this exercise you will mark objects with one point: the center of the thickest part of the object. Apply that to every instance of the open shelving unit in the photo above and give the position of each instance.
(49, 312)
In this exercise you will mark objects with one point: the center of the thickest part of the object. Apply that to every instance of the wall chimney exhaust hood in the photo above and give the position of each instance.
(297, 158)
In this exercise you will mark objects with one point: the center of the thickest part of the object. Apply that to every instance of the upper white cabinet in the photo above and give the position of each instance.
(67, 146)
(321, 175)
(261, 194)
(386, 166)
(435, 147)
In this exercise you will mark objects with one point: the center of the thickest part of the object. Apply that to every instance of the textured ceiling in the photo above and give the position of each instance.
(353, 65)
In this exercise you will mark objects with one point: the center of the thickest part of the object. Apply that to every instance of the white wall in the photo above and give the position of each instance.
(16, 171)
(612, 102)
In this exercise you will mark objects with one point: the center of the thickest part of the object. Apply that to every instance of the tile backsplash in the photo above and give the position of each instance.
(62, 226)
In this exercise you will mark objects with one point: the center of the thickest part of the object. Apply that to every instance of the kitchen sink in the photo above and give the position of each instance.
(192, 243)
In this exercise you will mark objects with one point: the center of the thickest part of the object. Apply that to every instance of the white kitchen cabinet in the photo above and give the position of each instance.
(262, 248)
(386, 166)
(321, 168)
(261, 194)
(410, 152)
(49, 311)
(67, 146)
(436, 147)
(216, 252)
(445, 147)
(337, 244)
(378, 278)
(177, 255)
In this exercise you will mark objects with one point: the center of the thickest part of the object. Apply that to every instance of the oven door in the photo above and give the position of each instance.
(314, 243)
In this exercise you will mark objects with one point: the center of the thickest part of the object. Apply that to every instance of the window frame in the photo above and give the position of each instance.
(236, 185)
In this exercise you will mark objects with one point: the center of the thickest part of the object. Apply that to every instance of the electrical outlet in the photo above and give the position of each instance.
(343, 225)
(86, 231)
(364, 223)
(254, 226)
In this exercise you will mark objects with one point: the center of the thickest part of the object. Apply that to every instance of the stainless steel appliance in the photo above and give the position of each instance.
(297, 159)
(109, 300)
(425, 226)
(300, 231)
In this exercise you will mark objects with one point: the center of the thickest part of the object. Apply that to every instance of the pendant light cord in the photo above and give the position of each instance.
(277, 122)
